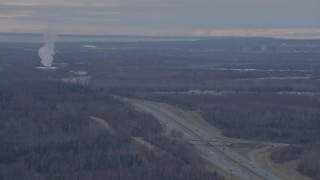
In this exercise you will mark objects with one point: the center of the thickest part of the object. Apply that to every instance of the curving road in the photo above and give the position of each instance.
(216, 153)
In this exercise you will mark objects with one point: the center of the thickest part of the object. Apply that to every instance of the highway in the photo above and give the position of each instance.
(216, 152)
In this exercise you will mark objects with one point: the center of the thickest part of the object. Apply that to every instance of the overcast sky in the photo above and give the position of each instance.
(287, 18)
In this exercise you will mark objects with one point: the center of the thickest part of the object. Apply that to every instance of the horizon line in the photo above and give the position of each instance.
(38, 34)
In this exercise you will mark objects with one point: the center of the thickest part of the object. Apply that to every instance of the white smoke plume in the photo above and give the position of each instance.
(47, 52)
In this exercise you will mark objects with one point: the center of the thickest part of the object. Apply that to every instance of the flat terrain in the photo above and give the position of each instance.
(210, 144)
(248, 106)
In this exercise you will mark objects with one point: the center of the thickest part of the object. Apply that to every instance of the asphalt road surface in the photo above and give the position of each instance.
(212, 150)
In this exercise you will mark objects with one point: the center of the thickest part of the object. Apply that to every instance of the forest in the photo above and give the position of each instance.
(292, 119)
(248, 92)
(46, 133)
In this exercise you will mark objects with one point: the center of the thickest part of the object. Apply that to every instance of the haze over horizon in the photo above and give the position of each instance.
(273, 18)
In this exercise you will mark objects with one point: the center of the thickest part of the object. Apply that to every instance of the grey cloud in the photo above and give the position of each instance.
(161, 15)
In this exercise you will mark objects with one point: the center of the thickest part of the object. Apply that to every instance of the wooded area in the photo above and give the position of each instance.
(46, 132)
(290, 119)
